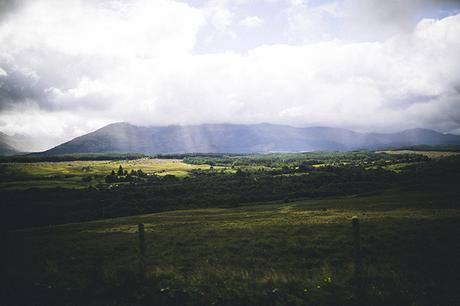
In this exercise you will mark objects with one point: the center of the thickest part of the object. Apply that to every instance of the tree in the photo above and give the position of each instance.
(111, 178)
(120, 171)
(141, 173)
(306, 166)
(169, 178)
(87, 178)
(240, 172)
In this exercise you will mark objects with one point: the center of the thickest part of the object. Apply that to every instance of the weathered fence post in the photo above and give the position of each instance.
(141, 250)
(4, 281)
(357, 258)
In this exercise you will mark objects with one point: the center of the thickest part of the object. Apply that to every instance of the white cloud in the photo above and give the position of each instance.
(361, 20)
(308, 23)
(42, 130)
(252, 22)
(138, 28)
(220, 18)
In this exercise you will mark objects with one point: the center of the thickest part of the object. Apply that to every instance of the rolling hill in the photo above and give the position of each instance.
(240, 138)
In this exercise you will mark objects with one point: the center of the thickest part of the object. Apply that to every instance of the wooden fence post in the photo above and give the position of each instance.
(141, 249)
(357, 258)
(4, 281)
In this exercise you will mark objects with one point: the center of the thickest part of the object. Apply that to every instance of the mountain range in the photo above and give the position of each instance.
(240, 138)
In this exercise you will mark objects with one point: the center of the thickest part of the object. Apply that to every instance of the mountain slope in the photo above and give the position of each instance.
(239, 138)
(6, 147)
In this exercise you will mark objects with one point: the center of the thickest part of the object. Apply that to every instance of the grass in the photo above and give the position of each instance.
(296, 253)
(70, 174)
(397, 168)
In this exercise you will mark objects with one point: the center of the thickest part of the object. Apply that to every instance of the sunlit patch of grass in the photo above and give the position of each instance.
(398, 167)
(71, 174)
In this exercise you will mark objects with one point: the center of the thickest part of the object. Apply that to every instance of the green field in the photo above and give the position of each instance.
(71, 174)
(276, 254)
(86, 173)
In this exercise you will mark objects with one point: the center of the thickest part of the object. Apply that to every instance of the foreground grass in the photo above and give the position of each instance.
(296, 253)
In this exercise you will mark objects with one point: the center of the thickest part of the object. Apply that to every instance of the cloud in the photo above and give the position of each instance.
(252, 22)
(107, 28)
(374, 19)
(19, 86)
(38, 130)
(220, 17)
(359, 85)
(69, 68)
(361, 20)
(9, 6)
(53, 47)
(309, 22)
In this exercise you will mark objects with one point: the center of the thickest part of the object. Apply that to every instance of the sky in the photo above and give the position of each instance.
(70, 67)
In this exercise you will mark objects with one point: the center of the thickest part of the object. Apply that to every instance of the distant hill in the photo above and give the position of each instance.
(6, 145)
(240, 138)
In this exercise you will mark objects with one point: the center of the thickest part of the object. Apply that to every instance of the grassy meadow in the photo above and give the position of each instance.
(82, 174)
(297, 253)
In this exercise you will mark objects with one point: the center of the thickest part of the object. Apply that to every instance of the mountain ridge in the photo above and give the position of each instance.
(123, 137)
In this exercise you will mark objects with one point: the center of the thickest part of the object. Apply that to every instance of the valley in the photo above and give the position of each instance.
(223, 229)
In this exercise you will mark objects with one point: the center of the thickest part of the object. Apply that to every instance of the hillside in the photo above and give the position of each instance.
(240, 138)
(6, 147)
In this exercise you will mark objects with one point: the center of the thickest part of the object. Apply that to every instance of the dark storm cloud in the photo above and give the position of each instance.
(17, 88)
(21, 89)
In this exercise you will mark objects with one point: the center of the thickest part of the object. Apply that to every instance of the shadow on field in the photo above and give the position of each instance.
(408, 259)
